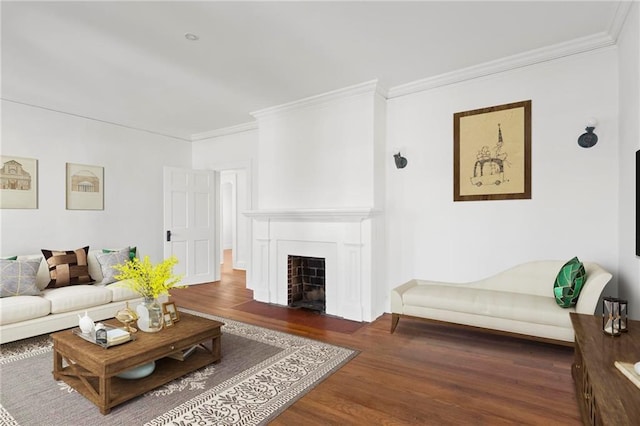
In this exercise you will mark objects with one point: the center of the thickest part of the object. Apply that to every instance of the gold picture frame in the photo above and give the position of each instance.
(85, 187)
(168, 321)
(18, 182)
(170, 308)
(492, 153)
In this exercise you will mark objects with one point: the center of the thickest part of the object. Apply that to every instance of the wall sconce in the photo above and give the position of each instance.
(589, 139)
(401, 162)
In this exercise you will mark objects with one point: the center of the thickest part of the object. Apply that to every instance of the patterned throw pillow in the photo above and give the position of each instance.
(569, 282)
(67, 267)
(111, 258)
(132, 251)
(18, 277)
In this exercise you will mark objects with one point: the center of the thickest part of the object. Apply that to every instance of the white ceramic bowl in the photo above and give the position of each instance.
(636, 367)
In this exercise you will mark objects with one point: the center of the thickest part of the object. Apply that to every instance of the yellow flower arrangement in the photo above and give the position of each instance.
(146, 279)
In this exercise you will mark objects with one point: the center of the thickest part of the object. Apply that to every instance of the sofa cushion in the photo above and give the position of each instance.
(71, 298)
(67, 267)
(132, 251)
(119, 293)
(498, 304)
(18, 277)
(23, 308)
(569, 282)
(110, 259)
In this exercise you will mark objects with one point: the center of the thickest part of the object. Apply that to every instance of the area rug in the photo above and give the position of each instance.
(262, 372)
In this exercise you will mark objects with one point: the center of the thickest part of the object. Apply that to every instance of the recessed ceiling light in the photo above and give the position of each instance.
(191, 37)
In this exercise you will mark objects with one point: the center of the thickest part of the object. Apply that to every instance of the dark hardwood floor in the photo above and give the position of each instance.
(422, 374)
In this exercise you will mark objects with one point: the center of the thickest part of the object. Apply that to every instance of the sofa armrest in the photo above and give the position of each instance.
(597, 280)
(396, 296)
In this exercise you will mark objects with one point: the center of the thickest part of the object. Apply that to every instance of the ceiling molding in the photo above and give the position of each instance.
(371, 87)
(225, 131)
(617, 23)
(520, 60)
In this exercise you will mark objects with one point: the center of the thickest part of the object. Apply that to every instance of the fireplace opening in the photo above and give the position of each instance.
(306, 283)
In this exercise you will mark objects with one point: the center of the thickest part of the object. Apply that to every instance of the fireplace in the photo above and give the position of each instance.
(306, 282)
(344, 238)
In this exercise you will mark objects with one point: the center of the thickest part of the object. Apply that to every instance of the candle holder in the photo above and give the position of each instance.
(611, 319)
(624, 324)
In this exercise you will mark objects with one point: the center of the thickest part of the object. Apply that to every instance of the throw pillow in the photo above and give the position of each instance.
(132, 251)
(569, 282)
(10, 258)
(18, 277)
(67, 267)
(110, 259)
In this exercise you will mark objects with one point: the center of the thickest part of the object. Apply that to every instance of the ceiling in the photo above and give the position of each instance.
(129, 63)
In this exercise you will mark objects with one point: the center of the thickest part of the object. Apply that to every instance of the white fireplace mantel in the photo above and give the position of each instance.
(347, 238)
(314, 215)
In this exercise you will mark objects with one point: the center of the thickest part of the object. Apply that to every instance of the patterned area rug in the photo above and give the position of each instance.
(262, 372)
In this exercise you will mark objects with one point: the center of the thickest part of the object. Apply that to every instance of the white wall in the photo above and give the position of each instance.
(236, 153)
(319, 156)
(629, 67)
(574, 205)
(132, 161)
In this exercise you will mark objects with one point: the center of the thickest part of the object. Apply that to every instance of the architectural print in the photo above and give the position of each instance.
(85, 187)
(85, 181)
(13, 176)
(18, 183)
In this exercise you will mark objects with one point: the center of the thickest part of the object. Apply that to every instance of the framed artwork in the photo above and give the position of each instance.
(18, 182)
(85, 187)
(170, 308)
(492, 153)
(168, 322)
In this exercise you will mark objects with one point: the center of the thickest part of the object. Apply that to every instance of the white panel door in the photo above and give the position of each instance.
(191, 223)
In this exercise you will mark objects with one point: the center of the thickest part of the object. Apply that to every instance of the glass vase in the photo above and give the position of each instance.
(150, 317)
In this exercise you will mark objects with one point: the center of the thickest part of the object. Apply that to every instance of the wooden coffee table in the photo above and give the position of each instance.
(91, 369)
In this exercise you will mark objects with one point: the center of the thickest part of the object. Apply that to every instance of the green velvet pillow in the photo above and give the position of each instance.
(569, 282)
(132, 252)
(10, 258)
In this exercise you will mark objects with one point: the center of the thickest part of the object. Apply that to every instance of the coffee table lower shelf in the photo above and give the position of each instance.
(114, 390)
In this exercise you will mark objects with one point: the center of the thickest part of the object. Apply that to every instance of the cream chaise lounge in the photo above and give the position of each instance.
(517, 301)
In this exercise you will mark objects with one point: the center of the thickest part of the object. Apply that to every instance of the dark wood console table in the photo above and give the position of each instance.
(605, 396)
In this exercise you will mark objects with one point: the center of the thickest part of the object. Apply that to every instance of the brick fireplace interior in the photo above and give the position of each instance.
(306, 282)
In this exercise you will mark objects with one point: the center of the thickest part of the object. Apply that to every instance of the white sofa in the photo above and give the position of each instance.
(517, 301)
(58, 308)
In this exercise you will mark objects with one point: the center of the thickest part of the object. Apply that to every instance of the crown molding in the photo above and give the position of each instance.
(369, 87)
(244, 127)
(520, 60)
(618, 19)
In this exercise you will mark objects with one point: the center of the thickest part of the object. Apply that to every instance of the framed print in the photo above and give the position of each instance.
(18, 183)
(492, 153)
(168, 322)
(85, 187)
(170, 308)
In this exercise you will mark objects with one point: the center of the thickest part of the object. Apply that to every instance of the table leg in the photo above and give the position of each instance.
(105, 394)
(57, 364)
